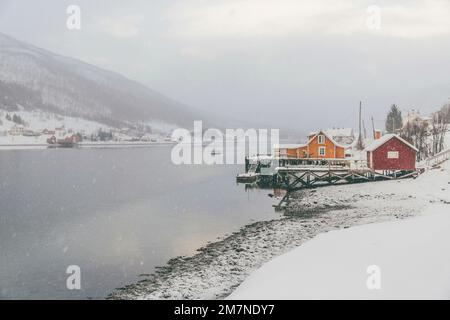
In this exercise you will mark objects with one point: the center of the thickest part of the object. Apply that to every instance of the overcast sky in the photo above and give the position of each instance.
(289, 63)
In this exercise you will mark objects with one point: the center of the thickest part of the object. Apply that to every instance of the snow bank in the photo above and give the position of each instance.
(413, 257)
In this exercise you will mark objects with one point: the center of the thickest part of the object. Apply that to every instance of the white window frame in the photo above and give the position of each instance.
(393, 155)
(324, 151)
(321, 139)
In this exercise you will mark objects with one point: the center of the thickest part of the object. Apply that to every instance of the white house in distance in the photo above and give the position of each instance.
(414, 115)
(17, 130)
(343, 136)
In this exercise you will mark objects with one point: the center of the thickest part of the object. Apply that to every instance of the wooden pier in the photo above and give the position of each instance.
(293, 173)
(293, 178)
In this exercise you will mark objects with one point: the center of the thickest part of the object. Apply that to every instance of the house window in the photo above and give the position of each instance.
(392, 154)
(321, 139)
(322, 151)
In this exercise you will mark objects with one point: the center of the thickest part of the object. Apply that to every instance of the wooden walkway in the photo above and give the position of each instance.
(293, 178)
(438, 158)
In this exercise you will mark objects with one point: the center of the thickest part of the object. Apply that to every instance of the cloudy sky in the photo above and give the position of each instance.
(287, 63)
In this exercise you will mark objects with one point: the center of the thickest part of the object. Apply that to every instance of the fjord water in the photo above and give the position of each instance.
(115, 213)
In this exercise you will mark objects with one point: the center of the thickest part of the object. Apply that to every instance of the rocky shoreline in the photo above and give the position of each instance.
(219, 267)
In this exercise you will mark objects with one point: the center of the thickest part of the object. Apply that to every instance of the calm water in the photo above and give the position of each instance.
(116, 213)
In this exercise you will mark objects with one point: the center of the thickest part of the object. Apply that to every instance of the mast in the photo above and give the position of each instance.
(360, 144)
(373, 129)
(364, 129)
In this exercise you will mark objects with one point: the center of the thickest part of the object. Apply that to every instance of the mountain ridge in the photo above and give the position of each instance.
(35, 78)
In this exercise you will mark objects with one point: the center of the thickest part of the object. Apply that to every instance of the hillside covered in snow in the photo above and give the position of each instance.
(35, 79)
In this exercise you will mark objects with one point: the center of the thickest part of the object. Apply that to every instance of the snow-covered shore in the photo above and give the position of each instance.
(412, 256)
(31, 145)
(410, 260)
(220, 267)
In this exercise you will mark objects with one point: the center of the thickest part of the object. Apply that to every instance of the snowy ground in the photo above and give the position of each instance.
(390, 260)
(220, 267)
(37, 121)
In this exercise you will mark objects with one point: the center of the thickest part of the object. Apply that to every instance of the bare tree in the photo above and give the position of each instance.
(416, 132)
(438, 131)
(428, 136)
(445, 110)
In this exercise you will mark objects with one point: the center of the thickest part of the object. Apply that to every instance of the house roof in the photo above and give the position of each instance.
(378, 143)
(314, 135)
(335, 132)
(289, 146)
(340, 132)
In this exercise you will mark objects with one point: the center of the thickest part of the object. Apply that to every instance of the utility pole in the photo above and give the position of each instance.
(373, 129)
(360, 106)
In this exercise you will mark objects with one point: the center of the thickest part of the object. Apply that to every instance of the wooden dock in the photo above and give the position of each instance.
(293, 178)
(292, 173)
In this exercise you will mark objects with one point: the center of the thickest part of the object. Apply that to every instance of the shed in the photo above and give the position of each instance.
(391, 153)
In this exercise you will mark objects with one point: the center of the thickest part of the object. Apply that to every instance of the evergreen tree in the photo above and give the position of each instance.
(17, 119)
(394, 120)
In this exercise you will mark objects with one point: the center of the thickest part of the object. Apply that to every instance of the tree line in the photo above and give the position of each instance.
(427, 134)
(15, 118)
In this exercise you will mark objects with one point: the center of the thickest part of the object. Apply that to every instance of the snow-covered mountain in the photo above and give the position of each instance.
(33, 78)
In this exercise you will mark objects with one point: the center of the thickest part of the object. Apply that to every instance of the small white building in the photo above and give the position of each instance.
(17, 130)
(415, 116)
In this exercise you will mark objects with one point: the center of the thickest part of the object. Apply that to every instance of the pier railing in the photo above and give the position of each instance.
(438, 158)
(353, 164)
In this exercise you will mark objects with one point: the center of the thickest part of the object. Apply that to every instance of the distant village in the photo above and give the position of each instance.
(39, 128)
(426, 133)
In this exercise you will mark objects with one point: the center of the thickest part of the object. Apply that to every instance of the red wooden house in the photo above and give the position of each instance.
(391, 153)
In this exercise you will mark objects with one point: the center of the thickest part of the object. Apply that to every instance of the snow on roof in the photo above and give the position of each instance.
(335, 132)
(378, 143)
(340, 132)
(289, 146)
(326, 135)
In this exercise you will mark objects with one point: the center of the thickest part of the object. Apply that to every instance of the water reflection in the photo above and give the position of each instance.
(116, 213)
